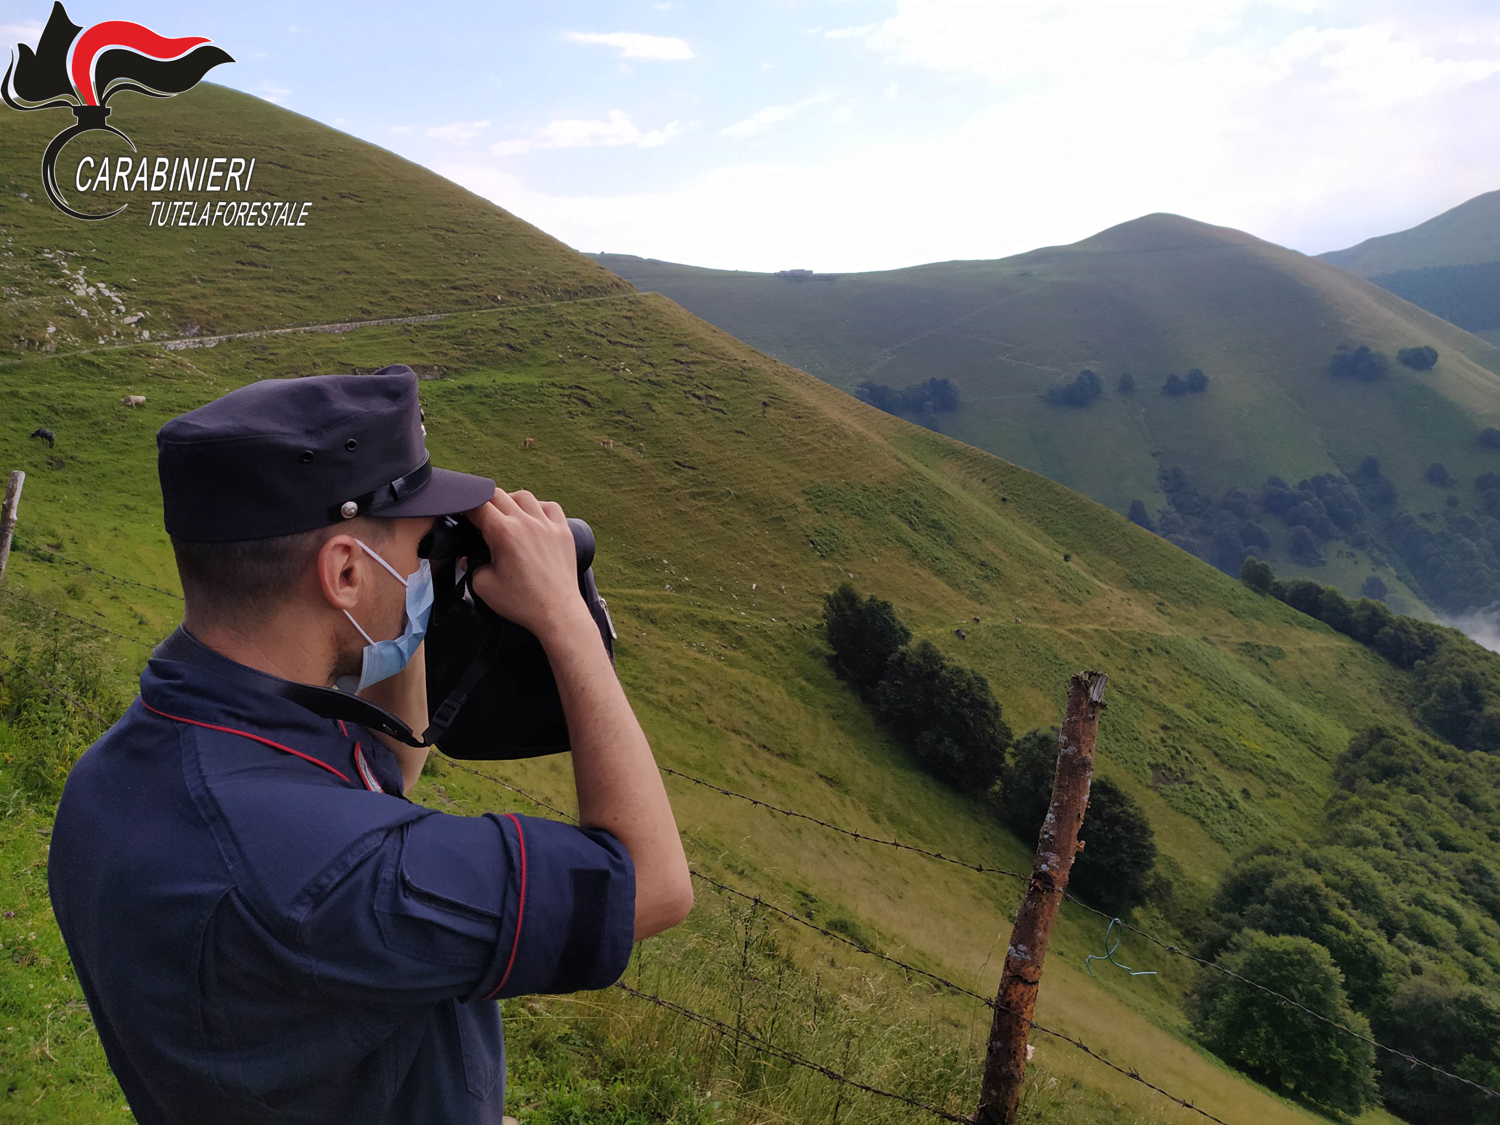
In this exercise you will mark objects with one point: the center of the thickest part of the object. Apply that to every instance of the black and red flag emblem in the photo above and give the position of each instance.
(107, 59)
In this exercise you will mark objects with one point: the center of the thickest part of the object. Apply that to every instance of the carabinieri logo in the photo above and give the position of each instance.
(107, 59)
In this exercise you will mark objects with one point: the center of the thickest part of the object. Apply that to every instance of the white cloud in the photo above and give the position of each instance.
(583, 133)
(28, 33)
(458, 132)
(276, 95)
(1311, 124)
(850, 32)
(762, 121)
(634, 45)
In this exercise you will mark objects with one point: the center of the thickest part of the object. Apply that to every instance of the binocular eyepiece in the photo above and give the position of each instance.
(456, 537)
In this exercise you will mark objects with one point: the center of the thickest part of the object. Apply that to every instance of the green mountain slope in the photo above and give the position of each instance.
(1450, 265)
(729, 493)
(1156, 296)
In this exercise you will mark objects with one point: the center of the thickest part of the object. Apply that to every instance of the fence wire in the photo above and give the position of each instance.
(52, 556)
(976, 867)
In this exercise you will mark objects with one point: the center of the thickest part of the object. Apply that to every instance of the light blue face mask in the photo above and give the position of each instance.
(384, 659)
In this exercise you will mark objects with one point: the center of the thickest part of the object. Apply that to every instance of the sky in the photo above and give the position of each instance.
(846, 135)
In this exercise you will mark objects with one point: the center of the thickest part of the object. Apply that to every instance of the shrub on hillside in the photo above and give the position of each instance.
(923, 398)
(1489, 437)
(878, 395)
(1422, 358)
(1139, 515)
(1437, 473)
(1080, 392)
(1257, 575)
(1363, 363)
(948, 714)
(1196, 381)
(1288, 1050)
(1450, 1025)
(1374, 587)
(1175, 385)
(1126, 383)
(864, 634)
(1113, 871)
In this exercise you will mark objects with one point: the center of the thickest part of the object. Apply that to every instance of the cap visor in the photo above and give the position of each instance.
(445, 494)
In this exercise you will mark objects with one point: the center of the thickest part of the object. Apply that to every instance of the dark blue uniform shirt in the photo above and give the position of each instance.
(267, 931)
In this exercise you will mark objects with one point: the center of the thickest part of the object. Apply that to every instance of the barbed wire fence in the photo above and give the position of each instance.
(759, 903)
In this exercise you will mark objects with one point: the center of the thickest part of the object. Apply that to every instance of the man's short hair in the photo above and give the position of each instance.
(243, 580)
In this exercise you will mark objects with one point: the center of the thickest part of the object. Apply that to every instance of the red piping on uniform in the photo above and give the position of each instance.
(520, 910)
(267, 741)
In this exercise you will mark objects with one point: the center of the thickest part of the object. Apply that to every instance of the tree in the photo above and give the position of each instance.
(1026, 783)
(877, 395)
(943, 393)
(1437, 473)
(1080, 392)
(1258, 575)
(1374, 587)
(1175, 385)
(1456, 1027)
(1363, 363)
(1126, 383)
(1196, 381)
(1139, 515)
(949, 715)
(1490, 438)
(1422, 358)
(916, 398)
(1304, 547)
(1111, 873)
(1285, 1048)
(864, 634)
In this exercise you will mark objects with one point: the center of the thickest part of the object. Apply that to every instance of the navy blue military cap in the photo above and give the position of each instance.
(282, 456)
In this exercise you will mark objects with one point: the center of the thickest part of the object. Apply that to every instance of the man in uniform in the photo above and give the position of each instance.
(265, 927)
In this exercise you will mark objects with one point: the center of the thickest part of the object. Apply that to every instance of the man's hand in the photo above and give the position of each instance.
(532, 576)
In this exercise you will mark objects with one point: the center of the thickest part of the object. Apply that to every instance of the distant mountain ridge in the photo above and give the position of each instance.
(1449, 265)
(1159, 296)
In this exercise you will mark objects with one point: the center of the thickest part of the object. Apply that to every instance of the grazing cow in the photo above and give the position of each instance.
(133, 400)
(641, 446)
(46, 435)
(976, 621)
(960, 634)
(608, 443)
(527, 443)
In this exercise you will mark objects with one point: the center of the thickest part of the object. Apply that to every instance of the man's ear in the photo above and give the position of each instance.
(338, 576)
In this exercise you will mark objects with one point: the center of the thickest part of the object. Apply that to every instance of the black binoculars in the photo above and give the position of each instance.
(490, 689)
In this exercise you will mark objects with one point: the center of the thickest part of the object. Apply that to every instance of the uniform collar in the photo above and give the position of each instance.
(187, 679)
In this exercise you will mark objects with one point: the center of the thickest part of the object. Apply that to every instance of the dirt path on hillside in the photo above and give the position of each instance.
(181, 343)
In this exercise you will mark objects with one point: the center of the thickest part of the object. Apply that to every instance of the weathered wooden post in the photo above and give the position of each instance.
(1005, 1055)
(8, 516)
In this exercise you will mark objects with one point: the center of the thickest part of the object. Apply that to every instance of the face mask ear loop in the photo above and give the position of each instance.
(368, 639)
(382, 562)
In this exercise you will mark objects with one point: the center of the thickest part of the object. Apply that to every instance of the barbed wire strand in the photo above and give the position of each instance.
(70, 617)
(1168, 946)
(1130, 1072)
(986, 1000)
(790, 1056)
(983, 869)
(73, 699)
(33, 550)
(1287, 1001)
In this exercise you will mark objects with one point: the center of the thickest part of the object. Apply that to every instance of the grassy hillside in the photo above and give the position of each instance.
(734, 493)
(1156, 296)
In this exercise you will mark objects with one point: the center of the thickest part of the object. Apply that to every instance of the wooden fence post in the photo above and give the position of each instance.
(8, 516)
(1005, 1055)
